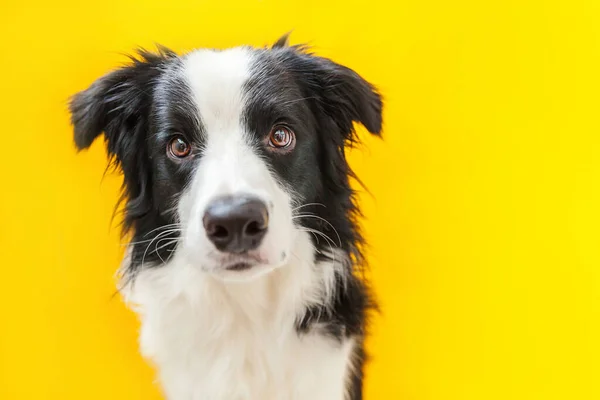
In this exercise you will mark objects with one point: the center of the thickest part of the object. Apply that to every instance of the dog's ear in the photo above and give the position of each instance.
(344, 95)
(112, 105)
(347, 97)
(117, 104)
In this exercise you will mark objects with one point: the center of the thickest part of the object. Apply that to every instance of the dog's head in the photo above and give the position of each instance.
(228, 156)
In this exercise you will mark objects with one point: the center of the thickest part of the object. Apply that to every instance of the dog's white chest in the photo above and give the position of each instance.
(212, 341)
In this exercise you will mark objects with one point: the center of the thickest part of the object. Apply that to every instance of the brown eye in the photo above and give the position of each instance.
(281, 137)
(178, 147)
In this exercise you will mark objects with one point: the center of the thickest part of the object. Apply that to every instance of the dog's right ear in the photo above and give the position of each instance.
(117, 104)
(91, 108)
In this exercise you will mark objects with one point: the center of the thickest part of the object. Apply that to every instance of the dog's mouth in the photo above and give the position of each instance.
(240, 266)
(240, 262)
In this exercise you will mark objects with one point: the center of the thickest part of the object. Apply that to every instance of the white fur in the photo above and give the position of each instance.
(217, 340)
(229, 166)
(225, 335)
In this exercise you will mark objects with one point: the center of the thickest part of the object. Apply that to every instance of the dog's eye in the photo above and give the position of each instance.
(178, 147)
(281, 137)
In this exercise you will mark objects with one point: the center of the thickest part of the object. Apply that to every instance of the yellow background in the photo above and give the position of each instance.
(484, 221)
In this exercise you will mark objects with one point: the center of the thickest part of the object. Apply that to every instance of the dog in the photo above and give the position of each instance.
(244, 248)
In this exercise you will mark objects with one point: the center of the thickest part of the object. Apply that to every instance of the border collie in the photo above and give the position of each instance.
(244, 244)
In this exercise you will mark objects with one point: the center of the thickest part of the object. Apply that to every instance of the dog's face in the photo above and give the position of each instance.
(228, 156)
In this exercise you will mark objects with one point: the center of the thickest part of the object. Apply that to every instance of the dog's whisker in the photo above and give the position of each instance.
(321, 219)
(150, 240)
(150, 244)
(163, 227)
(157, 248)
(308, 204)
(167, 232)
(317, 232)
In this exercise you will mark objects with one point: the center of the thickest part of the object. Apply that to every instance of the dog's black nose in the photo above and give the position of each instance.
(236, 224)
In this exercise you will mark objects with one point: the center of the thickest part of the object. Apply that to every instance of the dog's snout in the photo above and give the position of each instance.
(236, 224)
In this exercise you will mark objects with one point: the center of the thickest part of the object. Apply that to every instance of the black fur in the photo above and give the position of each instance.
(139, 106)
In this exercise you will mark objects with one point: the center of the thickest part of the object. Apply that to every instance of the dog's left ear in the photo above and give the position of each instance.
(343, 94)
(348, 97)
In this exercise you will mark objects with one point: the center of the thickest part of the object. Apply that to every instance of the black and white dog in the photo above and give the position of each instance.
(244, 243)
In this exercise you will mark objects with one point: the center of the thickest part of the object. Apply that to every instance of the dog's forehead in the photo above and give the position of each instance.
(216, 80)
(225, 85)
